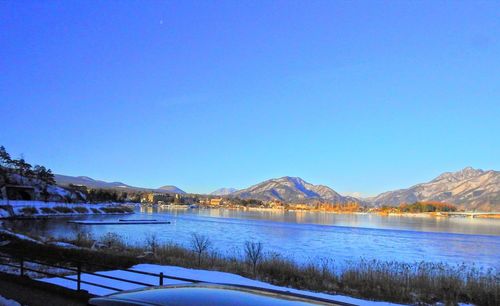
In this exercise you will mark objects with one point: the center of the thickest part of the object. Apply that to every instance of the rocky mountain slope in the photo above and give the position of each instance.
(468, 188)
(223, 191)
(291, 190)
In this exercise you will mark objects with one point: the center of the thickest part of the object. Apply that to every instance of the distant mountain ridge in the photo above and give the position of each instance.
(172, 189)
(292, 190)
(468, 188)
(87, 181)
(65, 180)
(224, 191)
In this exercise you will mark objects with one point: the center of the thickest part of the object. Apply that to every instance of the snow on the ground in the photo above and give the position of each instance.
(20, 236)
(7, 302)
(4, 213)
(31, 265)
(64, 245)
(21, 203)
(201, 275)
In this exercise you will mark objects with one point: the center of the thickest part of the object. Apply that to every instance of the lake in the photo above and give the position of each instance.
(307, 236)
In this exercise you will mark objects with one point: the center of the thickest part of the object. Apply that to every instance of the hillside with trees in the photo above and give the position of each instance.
(18, 172)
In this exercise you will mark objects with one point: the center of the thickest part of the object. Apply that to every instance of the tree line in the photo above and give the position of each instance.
(418, 207)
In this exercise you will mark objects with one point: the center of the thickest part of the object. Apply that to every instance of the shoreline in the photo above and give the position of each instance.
(45, 210)
(383, 214)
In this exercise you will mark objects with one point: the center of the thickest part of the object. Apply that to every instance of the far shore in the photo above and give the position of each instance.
(387, 214)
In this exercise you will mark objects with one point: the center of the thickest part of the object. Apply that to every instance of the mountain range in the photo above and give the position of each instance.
(468, 188)
(65, 180)
(224, 191)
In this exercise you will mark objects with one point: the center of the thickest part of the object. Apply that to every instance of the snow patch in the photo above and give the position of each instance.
(20, 236)
(64, 245)
(4, 213)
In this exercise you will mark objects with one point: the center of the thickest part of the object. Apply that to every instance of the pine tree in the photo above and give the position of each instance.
(49, 177)
(23, 167)
(45, 175)
(5, 160)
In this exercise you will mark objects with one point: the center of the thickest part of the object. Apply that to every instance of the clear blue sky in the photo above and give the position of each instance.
(362, 96)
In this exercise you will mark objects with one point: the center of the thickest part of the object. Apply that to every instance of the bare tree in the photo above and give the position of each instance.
(254, 253)
(200, 245)
(152, 242)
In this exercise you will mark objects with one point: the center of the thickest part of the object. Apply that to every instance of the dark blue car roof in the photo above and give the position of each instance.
(209, 294)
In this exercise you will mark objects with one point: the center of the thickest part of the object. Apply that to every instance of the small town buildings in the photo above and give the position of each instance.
(216, 202)
(153, 197)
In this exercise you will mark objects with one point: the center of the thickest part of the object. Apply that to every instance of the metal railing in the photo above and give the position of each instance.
(21, 265)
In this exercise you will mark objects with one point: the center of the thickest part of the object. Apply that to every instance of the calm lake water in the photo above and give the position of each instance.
(305, 236)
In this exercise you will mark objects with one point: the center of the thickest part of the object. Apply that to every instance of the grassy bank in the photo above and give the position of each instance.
(389, 281)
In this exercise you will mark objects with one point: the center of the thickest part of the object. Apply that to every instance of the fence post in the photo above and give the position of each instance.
(161, 278)
(21, 267)
(78, 276)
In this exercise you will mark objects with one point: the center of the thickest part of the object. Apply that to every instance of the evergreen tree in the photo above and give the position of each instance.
(45, 175)
(5, 160)
(23, 167)
(49, 177)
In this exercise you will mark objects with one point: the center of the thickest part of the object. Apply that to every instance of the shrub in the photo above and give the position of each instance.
(84, 239)
(112, 241)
